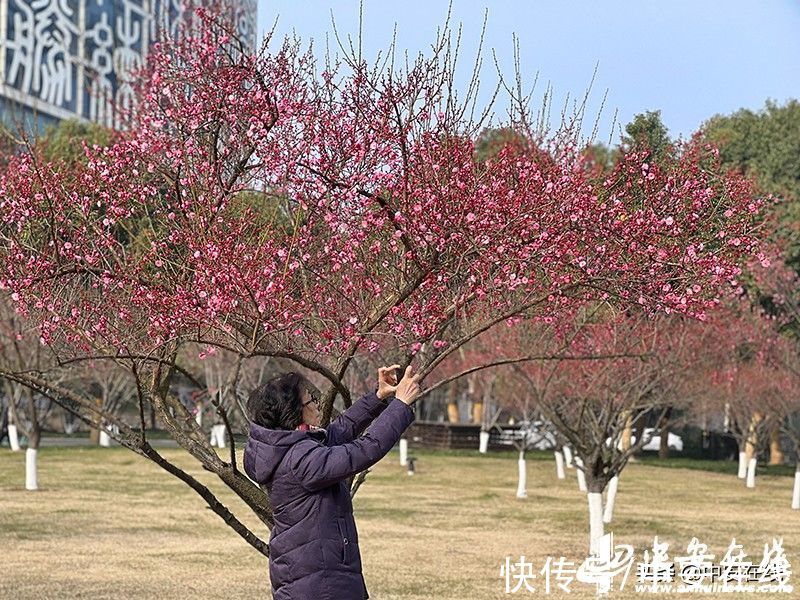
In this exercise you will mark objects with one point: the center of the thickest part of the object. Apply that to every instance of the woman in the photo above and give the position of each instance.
(314, 544)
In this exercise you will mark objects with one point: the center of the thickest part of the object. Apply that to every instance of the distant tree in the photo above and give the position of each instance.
(493, 139)
(609, 369)
(648, 133)
(765, 145)
(64, 141)
(645, 134)
(20, 350)
(600, 158)
(7, 145)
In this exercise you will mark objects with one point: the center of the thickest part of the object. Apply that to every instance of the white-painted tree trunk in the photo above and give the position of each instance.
(403, 452)
(611, 496)
(199, 418)
(581, 474)
(595, 520)
(105, 439)
(484, 442)
(559, 464)
(13, 438)
(751, 472)
(796, 490)
(31, 482)
(218, 436)
(568, 456)
(742, 465)
(522, 487)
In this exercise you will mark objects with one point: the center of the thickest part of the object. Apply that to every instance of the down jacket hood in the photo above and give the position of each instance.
(267, 447)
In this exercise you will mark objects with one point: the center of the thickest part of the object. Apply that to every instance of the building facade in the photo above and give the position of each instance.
(63, 59)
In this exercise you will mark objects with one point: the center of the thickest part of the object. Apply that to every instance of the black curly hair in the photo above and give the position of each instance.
(278, 403)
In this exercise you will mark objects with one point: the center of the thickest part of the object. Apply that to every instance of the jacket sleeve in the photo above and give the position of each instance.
(352, 422)
(316, 466)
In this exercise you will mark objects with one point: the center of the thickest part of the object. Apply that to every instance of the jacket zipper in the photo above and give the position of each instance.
(345, 541)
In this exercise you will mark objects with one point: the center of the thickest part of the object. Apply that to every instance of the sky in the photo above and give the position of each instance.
(690, 59)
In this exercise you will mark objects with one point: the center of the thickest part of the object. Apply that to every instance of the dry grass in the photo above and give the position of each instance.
(107, 524)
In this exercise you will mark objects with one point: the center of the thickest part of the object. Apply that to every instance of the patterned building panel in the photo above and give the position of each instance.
(67, 58)
(42, 50)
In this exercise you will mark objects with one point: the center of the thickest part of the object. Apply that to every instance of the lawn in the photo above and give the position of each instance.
(108, 524)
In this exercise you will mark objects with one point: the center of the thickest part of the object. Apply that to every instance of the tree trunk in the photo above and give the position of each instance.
(663, 427)
(477, 412)
(559, 464)
(627, 431)
(751, 472)
(611, 497)
(13, 420)
(796, 489)
(34, 437)
(596, 483)
(479, 408)
(581, 474)
(638, 430)
(752, 435)
(596, 529)
(403, 452)
(452, 403)
(13, 437)
(105, 439)
(568, 456)
(483, 442)
(775, 453)
(3, 423)
(218, 435)
(94, 433)
(742, 473)
(522, 486)
(31, 480)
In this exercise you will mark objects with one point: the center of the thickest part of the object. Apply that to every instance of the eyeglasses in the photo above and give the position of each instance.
(313, 399)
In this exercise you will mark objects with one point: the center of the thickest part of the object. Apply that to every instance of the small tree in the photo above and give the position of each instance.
(20, 351)
(613, 369)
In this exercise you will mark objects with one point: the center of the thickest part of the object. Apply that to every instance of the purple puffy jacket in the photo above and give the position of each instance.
(314, 544)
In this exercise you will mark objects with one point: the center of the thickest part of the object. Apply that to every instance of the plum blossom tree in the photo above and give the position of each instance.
(742, 377)
(268, 205)
(20, 350)
(111, 386)
(607, 368)
(787, 407)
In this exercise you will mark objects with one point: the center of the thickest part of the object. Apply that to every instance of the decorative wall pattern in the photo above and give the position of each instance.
(71, 57)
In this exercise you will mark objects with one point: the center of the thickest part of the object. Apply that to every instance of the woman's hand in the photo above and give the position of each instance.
(408, 389)
(387, 381)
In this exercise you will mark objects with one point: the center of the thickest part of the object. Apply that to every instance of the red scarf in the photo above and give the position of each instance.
(307, 427)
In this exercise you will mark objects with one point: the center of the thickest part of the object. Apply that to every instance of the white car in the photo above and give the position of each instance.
(674, 442)
(536, 435)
